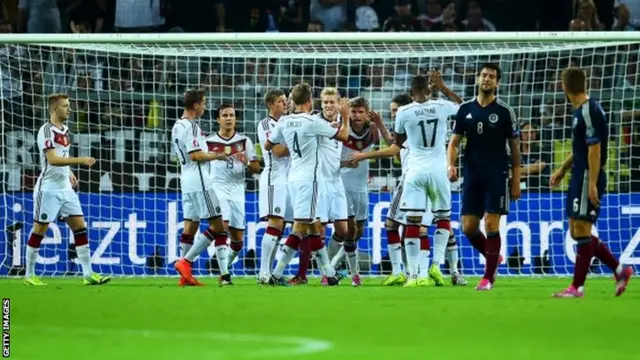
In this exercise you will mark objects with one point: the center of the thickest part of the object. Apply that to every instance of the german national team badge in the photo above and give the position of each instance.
(493, 118)
(227, 150)
(239, 147)
(359, 145)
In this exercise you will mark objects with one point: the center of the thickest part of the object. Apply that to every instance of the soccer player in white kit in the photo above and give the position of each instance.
(301, 132)
(273, 200)
(199, 200)
(228, 178)
(365, 133)
(53, 195)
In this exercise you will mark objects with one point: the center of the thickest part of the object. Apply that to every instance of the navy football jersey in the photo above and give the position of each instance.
(589, 128)
(487, 130)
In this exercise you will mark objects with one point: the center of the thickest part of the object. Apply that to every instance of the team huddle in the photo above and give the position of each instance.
(316, 172)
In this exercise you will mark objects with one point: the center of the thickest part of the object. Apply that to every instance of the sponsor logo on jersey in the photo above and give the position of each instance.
(493, 118)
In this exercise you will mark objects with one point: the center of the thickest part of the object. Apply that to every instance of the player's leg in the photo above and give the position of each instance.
(453, 257)
(304, 257)
(360, 210)
(273, 203)
(472, 210)
(204, 205)
(45, 207)
(439, 190)
(186, 242)
(425, 253)
(413, 202)
(71, 211)
(235, 223)
(395, 218)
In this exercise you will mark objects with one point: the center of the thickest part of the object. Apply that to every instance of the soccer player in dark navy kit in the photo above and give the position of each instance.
(488, 125)
(588, 183)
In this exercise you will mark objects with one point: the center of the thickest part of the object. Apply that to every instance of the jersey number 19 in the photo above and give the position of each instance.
(433, 124)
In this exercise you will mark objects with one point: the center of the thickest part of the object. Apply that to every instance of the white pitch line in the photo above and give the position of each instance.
(290, 345)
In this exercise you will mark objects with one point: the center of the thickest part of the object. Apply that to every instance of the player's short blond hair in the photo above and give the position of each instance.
(53, 99)
(330, 91)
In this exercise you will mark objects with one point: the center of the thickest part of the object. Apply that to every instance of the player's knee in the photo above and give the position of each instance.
(580, 229)
(391, 225)
(80, 237)
(470, 228)
(215, 236)
(236, 245)
(350, 246)
(277, 223)
(39, 228)
(414, 219)
(492, 223)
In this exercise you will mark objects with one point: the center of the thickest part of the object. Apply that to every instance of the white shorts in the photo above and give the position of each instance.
(200, 205)
(395, 214)
(304, 196)
(274, 200)
(233, 213)
(49, 205)
(358, 204)
(424, 189)
(332, 205)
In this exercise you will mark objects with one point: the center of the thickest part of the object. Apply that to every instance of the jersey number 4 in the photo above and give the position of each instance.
(296, 145)
(423, 128)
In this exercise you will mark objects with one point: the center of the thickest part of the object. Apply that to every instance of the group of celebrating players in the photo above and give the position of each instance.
(316, 172)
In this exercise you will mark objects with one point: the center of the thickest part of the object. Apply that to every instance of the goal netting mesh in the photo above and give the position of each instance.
(126, 94)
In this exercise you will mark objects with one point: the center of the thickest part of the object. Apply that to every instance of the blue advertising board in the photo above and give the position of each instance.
(125, 229)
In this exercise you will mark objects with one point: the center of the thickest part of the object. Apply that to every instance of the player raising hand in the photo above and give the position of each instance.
(53, 195)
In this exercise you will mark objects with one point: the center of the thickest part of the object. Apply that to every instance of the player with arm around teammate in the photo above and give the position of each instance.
(301, 132)
(488, 125)
(53, 195)
(199, 200)
(229, 182)
(273, 199)
(588, 158)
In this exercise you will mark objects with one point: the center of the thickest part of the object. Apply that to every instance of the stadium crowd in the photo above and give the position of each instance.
(118, 90)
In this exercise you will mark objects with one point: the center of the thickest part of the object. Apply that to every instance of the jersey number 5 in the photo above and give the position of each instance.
(296, 146)
(423, 129)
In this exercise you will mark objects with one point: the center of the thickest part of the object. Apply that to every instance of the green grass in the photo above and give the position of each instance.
(151, 318)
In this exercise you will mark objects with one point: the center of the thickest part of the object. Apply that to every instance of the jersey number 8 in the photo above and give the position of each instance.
(480, 128)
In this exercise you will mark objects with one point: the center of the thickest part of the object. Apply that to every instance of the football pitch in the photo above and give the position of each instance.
(152, 318)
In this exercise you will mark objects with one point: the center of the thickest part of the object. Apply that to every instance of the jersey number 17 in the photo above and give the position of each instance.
(433, 124)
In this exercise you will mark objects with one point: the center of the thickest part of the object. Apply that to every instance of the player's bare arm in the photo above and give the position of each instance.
(56, 160)
(533, 169)
(594, 172)
(378, 125)
(73, 180)
(280, 151)
(559, 174)
(452, 156)
(345, 126)
(390, 151)
(436, 80)
(514, 145)
(201, 156)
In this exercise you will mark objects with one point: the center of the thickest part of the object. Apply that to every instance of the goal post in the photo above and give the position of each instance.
(126, 93)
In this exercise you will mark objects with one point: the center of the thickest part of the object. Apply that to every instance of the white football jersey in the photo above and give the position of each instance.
(187, 137)
(403, 156)
(425, 125)
(228, 175)
(330, 156)
(276, 169)
(301, 132)
(51, 137)
(357, 179)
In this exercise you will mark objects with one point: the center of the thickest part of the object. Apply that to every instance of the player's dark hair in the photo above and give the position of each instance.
(271, 96)
(301, 94)
(359, 101)
(53, 99)
(420, 84)
(402, 99)
(192, 97)
(494, 67)
(222, 107)
(574, 80)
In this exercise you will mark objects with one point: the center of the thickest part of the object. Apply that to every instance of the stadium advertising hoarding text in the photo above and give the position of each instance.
(125, 229)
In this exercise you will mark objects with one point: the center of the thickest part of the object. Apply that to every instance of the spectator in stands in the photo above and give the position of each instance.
(402, 19)
(588, 13)
(294, 15)
(535, 159)
(5, 27)
(38, 16)
(623, 19)
(633, 9)
(332, 13)
(366, 18)
(315, 26)
(475, 20)
(577, 25)
(136, 16)
(432, 19)
(86, 16)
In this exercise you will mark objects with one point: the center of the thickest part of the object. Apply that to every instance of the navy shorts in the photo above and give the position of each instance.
(486, 192)
(578, 204)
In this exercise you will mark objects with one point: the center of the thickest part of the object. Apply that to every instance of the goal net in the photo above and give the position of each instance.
(126, 94)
